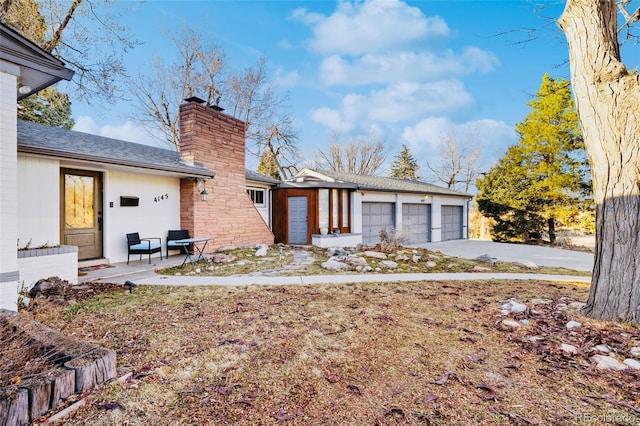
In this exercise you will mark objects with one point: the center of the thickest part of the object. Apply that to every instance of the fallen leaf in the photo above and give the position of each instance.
(443, 379)
(332, 378)
(354, 389)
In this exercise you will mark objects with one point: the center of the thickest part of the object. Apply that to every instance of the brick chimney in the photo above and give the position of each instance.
(217, 141)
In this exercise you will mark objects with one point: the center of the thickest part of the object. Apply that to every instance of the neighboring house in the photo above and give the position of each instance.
(24, 70)
(328, 209)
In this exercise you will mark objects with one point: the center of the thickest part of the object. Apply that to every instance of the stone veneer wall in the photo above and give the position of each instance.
(218, 142)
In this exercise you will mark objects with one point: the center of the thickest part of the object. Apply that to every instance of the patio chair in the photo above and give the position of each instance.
(137, 245)
(178, 234)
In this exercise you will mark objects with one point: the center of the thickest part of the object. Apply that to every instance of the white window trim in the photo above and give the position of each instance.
(264, 196)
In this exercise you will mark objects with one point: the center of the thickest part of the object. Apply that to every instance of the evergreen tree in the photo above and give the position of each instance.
(544, 178)
(48, 106)
(268, 165)
(404, 166)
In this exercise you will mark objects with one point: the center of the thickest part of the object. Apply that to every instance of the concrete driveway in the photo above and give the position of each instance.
(505, 252)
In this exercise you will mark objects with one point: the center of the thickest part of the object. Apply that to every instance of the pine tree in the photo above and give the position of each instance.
(48, 106)
(544, 178)
(268, 165)
(404, 166)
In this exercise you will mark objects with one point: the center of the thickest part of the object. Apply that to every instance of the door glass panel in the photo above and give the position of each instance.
(335, 208)
(345, 208)
(323, 208)
(78, 191)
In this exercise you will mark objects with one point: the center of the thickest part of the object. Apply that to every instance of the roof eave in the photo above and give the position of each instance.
(101, 160)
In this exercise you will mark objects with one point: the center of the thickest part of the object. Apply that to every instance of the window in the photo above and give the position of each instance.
(256, 195)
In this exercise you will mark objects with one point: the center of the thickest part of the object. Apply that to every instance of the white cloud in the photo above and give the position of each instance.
(331, 119)
(493, 137)
(404, 66)
(125, 132)
(286, 80)
(397, 103)
(370, 26)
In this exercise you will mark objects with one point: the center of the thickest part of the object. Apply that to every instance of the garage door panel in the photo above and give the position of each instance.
(375, 218)
(416, 223)
(451, 223)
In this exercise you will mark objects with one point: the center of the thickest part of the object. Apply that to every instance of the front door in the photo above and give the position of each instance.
(297, 220)
(81, 211)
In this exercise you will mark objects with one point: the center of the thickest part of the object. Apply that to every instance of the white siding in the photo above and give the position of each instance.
(264, 209)
(35, 268)
(38, 201)
(154, 216)
(8, 187)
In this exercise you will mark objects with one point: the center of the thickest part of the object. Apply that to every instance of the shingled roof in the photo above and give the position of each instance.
(259, 177)
(56, 142)
(387, 184)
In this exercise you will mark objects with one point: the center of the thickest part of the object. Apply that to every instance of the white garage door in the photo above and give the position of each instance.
(451, 223)
(416, 223)
(376, 217)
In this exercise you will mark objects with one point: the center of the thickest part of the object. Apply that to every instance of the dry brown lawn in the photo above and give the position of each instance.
(424, 353)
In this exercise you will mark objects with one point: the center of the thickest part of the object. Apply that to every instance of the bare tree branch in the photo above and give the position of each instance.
(363, 155)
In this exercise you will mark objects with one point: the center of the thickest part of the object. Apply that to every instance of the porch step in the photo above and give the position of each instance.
(93, 262)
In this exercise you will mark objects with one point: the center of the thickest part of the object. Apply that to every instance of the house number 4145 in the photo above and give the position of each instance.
(161, 198)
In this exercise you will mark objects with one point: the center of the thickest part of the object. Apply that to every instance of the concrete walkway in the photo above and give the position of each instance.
(505, 252)
(140, 272)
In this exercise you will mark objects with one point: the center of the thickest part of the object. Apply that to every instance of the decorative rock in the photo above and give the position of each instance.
(480, 269)
(223, 258)
(635, 352)
(402, 258)
(573, 324)
(375, 254)
(525, 322)
(261, 250)
(535, 338)
(632, 363)
(389, 264)
(515, 307)
(603, 348)
(367, 268)
(486, 258)
(430, 264)
(541, 301)
(416, 258)
(334, 265)
(568, 349)
(577, 305)
(608, 363)
(511, 323)
(357, 261)
(530, 265)
(48, 287)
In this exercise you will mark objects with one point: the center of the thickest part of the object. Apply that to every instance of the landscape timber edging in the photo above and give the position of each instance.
(82, 366)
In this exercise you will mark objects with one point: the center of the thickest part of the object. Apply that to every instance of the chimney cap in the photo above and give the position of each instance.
(195, 99)
(216, 107)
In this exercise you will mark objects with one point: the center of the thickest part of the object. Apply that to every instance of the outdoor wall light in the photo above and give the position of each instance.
(204, 195)
(23, 89)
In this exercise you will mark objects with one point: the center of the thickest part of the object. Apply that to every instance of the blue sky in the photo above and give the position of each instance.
(411, 71)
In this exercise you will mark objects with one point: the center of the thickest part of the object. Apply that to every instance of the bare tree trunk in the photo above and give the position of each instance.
(608, 102)
(551, 225)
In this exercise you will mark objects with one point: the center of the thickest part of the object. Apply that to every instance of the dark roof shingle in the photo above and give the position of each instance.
(390, 184)
(57, 142)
